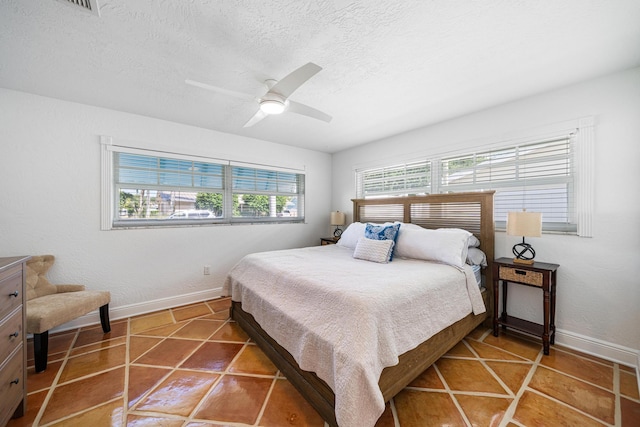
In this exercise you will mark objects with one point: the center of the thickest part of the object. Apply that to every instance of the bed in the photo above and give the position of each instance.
(469, 211)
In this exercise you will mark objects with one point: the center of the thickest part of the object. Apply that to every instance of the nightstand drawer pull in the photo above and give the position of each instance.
(16, 334)
(521, 276)
(16, 381)
(14, 294)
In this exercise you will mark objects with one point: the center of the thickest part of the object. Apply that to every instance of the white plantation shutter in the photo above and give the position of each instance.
(538, 177)
(407, 178)
(551, 175)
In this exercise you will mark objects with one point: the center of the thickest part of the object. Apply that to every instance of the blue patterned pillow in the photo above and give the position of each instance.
(383, 232)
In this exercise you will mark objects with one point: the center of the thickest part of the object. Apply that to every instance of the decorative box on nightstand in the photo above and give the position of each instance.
(329, 240)
(540, 275)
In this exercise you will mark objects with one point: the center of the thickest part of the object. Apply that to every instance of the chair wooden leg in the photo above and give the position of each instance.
(104, 318)
(40, 350)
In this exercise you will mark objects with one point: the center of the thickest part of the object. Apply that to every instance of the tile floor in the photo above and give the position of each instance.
(191, 366)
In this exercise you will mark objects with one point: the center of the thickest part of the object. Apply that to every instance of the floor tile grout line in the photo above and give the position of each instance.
(459, 392)
(584, 356)
(567, 374)
(474, 353)
(498, 379)
(460, 410)
(221, 375)
(93, 374)
(394, 412)
(75, 414)
(617, 411)
(525, 387)
(148, 392)
(172, 370)
(158, 415)
(264, 403)
(511, 353)
(511, 410)
(162, 339)
(97, 349)
(448, 391)
(54, 383)
(127, 359)
(566, 405)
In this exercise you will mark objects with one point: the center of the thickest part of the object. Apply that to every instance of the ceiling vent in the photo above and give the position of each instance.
(90, 6)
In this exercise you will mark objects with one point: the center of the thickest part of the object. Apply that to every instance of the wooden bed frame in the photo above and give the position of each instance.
(471, 211)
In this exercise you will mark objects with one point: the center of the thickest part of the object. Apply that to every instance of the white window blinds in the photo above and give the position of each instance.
(538, 177)
(408, 178)
(145, 188)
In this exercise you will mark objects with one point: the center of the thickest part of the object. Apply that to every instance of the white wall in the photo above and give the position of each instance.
(50, 195)
(599, 278)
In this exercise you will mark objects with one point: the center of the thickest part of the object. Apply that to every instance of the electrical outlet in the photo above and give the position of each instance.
(206, 270)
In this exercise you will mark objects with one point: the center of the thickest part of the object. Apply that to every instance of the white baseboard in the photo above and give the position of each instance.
(603, 349)
(137, 309)
(638, 370)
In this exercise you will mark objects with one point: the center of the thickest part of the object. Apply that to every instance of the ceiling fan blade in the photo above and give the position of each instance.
(287, 85)
(305, 110)
(259, 115)
(221, 90)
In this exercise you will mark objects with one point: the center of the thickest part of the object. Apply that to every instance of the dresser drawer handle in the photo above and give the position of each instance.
(16, 334)
(16, 381)
(521, 272)
(14, 294)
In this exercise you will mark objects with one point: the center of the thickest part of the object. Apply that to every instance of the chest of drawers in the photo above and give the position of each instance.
(13, 349)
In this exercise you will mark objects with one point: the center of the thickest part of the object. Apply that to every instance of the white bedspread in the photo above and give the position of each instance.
(347, 319)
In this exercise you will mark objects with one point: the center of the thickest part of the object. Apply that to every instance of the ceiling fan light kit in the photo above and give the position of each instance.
(272, 107)
(276, 99)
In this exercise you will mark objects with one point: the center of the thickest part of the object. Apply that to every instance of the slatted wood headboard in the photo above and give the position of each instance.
(470, 211)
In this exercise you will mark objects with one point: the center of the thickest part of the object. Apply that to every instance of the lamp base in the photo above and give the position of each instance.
(523, 261)
(524, 253)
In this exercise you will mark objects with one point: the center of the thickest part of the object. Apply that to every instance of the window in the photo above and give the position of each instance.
(551, 175)
(259, 193)
(145, 188)
(538, 177)
(408, 178)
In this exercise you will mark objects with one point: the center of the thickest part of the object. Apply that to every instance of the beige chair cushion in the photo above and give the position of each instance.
(37, 283)
(53, 310)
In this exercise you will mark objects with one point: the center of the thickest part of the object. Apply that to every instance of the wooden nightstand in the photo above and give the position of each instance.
(540, 275)
(329, 240)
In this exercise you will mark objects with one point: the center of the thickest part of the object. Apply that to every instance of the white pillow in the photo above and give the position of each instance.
(473, 240)
(447, 246)
(349, 237)
(373, 250)
(476, 257)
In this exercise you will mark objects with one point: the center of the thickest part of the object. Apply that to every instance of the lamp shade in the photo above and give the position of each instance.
(338, 218)
(525, 224)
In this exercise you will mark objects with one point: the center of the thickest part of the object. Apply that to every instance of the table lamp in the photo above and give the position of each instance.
(338, 218)
(525, 224)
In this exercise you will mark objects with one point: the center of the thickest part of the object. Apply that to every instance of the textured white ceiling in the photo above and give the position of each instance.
(389, 66)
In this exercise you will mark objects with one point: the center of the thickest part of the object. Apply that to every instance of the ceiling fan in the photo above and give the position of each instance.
(276, 99)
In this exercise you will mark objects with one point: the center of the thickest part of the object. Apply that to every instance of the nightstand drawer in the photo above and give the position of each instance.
(520, 275)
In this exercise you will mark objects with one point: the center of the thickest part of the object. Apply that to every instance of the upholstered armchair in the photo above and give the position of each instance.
(51, 305)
